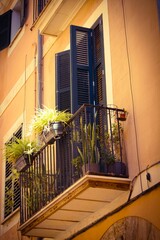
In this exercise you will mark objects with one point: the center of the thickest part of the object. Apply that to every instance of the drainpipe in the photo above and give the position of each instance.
(39, 67)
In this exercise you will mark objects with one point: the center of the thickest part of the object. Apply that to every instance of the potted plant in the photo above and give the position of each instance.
(113, 151)
(21, 152)
(87, 159)
(122, 116)
(49, 123)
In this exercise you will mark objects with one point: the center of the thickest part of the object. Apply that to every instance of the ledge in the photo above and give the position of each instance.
(69, 211)
(56, 16)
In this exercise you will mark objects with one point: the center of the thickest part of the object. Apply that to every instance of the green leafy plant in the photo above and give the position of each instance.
(38, 186)
(87, 141)
(110, 144)
(117, 131)
(13, 151)
(18, 147)
(44, 117)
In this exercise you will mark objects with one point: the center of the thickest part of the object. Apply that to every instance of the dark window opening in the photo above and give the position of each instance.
(11, 22)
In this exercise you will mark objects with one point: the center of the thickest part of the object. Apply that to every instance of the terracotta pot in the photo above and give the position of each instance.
(122, 117)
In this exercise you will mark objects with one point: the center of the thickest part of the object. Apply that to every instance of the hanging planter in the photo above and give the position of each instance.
(21, 152)
(23, 162)
(58, 129)
(122, 116)
(54, 132)
(50, 124)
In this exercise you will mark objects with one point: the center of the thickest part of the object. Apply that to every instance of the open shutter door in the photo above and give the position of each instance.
(5, 29)
(63, 80)
(81, 67)
(24, 6)
(63, 103)
(99, 76)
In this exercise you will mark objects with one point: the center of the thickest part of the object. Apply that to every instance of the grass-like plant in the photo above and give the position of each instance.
(18, 147)
(43, 118)
(88, 141)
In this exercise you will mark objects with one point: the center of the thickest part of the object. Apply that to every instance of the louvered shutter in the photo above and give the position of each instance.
(81, 67)
(63, 80)
(12, 188)
(5, 29)
(99, 76)
(63, 103)
(24, 5)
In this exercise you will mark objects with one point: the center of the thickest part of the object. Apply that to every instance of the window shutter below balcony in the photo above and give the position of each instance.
(63, 80)
(5, 29)
(81, 67)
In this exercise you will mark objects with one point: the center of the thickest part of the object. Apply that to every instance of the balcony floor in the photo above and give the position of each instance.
(70, 211)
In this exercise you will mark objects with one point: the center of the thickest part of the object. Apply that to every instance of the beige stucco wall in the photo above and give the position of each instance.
(135, 51)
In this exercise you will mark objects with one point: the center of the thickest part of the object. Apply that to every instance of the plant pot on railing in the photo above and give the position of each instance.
(49, 124)
(122, 116)
(54, 132)
(21, 152)
(23, 162)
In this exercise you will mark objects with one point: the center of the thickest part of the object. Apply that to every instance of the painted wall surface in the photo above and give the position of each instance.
(135, 51)
(143, 207)
(132, 64)
(17, 103)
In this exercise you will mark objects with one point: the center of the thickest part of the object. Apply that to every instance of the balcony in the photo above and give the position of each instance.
(51, 17)
(79, 175)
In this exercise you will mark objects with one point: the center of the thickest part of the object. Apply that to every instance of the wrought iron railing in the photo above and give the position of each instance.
(38, 6)
(92, 144)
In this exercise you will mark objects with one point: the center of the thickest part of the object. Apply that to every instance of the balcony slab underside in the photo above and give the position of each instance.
(71, 210)
(56, 16)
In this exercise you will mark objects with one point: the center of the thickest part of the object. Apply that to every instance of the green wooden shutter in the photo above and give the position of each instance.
(5, 29)
(63, 80)
(81, 67)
